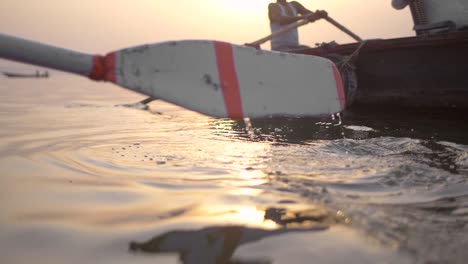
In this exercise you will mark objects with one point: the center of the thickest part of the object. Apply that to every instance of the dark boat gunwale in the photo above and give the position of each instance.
(424, 73)
(445, 39)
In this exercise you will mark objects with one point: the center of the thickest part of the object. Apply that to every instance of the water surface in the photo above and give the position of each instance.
(85, 179)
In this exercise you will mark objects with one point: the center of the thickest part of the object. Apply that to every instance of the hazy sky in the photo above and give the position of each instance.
(100, 26)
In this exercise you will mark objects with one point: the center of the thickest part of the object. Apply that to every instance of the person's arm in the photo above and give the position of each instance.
(300, 8)
(275, 15)
(400, 4)
(312, 16)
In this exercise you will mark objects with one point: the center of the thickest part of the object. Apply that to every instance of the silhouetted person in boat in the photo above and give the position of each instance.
(283, 13)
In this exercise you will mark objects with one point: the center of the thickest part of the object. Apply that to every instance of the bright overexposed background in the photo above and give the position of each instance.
(100, 26)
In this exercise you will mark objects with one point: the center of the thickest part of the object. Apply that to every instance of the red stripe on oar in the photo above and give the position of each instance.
(110, 61)
(228, 78)
(339, 87)
(104, 68)
(98, 71)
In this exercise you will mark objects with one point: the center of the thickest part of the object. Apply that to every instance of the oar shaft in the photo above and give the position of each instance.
(342, 28)
(301, 23)
(36, 53)
(279, 32)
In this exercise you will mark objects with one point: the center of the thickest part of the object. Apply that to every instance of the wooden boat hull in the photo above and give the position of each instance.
(425, 73)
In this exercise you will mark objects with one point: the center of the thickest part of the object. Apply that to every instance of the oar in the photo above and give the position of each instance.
(342, 28)
(214, 78)
(147, 100)
(290, 27)
(278, 33)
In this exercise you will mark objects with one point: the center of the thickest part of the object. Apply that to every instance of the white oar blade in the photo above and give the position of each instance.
(224, 80)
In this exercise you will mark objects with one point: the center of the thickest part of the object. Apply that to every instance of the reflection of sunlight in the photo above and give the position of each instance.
(340, 214)
(248, 215)
(247, 192)
(244, 155)
(223, 126)
(253, 216)
(255, 7)
(251, 174)
(254, 177)
(247, 157)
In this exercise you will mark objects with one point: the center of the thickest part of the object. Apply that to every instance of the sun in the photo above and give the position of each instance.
(246, 7)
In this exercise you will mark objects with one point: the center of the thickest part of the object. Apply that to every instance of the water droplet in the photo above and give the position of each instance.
(249, 128)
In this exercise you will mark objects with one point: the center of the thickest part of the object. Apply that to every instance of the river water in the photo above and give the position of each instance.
(85, 179)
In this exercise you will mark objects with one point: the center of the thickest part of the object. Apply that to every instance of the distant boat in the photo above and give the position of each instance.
(27, 75)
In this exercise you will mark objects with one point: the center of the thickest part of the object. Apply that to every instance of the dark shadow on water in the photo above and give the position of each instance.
(356, 126)
(210, 245)
(429, 126)
(217, 244)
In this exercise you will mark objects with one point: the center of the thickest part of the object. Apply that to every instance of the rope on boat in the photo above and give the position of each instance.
(348, 72)
(354, 54)
(418, 13)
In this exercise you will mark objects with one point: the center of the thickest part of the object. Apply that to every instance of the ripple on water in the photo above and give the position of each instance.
(118, 168)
